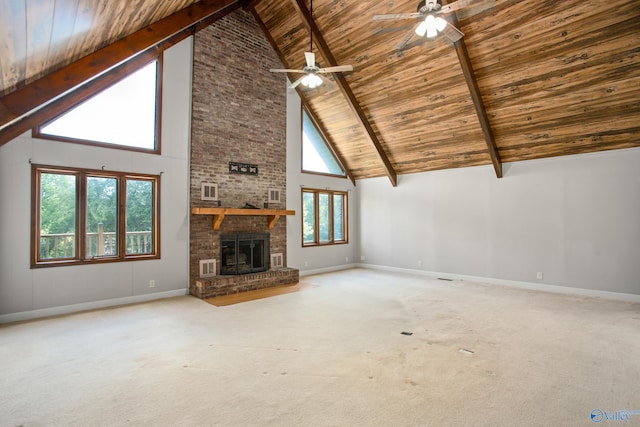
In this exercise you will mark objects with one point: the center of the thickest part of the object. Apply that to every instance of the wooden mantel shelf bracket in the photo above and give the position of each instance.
(219, 213)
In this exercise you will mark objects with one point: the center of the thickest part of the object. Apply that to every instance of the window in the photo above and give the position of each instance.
(324, 214)
(125, 115)
(317, 157)
(83, 216)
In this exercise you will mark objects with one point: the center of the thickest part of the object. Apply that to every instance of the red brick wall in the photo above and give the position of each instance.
(239, 110)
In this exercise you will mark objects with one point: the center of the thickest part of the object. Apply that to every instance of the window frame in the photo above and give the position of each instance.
(316, 215)
(81, 175)
(37, 130)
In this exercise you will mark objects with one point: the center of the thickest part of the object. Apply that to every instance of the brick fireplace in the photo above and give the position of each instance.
(238, 117)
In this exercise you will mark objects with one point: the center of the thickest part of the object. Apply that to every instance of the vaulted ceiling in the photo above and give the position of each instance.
(529, 79)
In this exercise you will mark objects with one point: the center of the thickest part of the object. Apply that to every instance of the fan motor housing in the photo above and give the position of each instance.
(428, 6)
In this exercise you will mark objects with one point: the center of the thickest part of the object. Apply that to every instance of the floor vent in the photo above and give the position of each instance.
(207, 267)
(277, 260)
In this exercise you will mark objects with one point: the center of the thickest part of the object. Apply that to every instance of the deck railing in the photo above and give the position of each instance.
(98, 244)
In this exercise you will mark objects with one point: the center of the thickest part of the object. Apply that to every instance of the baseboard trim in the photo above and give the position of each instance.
(512, 283)
(74, 308)
(327, 269)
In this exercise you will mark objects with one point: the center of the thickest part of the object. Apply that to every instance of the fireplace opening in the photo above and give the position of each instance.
(244, 253)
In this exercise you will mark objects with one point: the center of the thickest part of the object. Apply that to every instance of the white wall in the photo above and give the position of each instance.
(576, 219)
(25, 292)
(322, 258)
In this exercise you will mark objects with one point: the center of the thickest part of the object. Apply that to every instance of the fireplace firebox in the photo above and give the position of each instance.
(244, 253)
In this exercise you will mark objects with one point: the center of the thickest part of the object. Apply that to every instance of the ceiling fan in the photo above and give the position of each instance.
(429, 23)
(312, 77)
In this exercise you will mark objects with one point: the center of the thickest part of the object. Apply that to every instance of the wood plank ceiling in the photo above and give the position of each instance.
(554, 77)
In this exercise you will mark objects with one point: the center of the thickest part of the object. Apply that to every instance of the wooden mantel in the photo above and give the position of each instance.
(219, 214)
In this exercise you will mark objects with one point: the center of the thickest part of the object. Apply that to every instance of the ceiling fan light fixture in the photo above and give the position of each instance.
(432, 30)
(430, 26)
(311, 81)
(421, 29)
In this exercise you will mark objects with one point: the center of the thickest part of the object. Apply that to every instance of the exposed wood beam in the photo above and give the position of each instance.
(472, 83)
(344, 87)
(305, 101)
(36, 95)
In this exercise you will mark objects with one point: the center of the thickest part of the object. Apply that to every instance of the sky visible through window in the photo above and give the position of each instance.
(123, 114)
(312, 160)
(316, 156)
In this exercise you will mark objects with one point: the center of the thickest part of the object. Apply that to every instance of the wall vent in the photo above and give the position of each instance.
(277, 260)
(207, 267)
(209, 191)
(274, 195)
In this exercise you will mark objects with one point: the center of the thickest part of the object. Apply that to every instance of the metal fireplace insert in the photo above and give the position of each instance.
(244, 253)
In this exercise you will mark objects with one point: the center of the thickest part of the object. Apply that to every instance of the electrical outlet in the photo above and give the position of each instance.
(539, 275)
(362, 257)
(419, 263)
(306, 263)
(152, 283)
(346, 259)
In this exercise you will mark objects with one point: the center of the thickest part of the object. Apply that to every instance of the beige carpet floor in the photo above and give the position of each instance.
(332, 355)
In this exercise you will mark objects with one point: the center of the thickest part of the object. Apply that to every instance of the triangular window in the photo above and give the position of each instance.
(316, 155)
(125, 114)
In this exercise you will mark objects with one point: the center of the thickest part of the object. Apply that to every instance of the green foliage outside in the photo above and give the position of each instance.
(323, 217)
(338, 214)
(57, 214)
(139, 214)
(308, 218)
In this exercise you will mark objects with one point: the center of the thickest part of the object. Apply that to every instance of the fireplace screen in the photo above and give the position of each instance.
(244, 253)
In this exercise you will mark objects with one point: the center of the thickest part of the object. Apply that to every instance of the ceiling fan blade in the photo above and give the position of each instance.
(405, 39)
(452, 33)
(297, 82)
(396, 16)
(310, 57)
(285, 70)
(336, 69)
(457, 5)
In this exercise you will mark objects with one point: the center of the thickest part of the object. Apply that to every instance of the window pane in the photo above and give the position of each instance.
(308, 218)
(316, 156)
(323, 217)
(101, 217)
(57, 216)
(338, 214)
(123, 114)
(139, 216)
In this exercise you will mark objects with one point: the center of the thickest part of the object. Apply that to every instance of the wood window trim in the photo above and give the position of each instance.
(81, 175)
(36, 132)
(316, 213)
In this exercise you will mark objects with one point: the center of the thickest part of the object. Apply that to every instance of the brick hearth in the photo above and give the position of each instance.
(225, 285)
